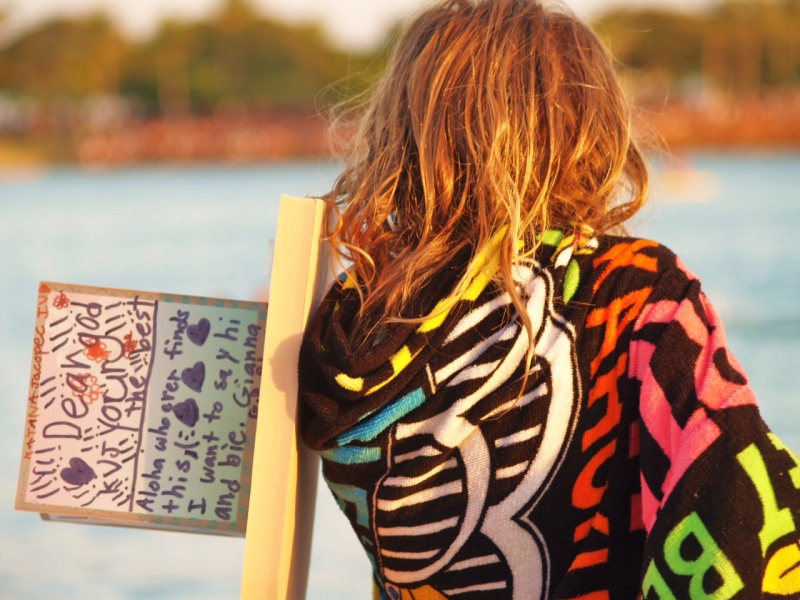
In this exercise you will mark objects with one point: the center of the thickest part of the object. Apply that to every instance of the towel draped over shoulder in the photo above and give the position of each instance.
(634, 461)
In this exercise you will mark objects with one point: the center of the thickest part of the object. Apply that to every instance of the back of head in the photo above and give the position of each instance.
(493, 115)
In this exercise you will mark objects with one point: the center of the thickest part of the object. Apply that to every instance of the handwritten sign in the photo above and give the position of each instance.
(142, 407)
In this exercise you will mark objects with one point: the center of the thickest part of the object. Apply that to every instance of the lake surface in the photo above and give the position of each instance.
(206, 231)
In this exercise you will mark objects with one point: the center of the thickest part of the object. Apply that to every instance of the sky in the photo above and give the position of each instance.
(356, 24)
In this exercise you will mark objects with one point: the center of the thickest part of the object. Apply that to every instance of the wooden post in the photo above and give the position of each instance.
(282, 498)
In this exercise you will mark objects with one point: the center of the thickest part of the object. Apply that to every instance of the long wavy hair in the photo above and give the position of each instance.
(492, 115)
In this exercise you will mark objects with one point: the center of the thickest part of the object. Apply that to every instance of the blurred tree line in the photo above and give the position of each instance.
(738, 61)
(239, 60)
(236, 61)
(738, 47)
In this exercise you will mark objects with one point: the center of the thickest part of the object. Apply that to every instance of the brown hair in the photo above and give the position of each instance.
(492, 115)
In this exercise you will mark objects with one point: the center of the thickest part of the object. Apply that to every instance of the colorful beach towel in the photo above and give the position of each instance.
(634, 463)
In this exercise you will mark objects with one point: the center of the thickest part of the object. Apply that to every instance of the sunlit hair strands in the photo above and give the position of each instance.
(492, 115)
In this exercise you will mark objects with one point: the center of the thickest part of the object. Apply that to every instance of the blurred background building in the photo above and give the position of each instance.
(237, 85)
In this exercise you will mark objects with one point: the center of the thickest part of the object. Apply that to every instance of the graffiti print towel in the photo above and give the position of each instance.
(634, 462)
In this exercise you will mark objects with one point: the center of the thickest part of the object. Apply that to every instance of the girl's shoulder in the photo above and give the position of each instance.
(599, 269)
(620, 265)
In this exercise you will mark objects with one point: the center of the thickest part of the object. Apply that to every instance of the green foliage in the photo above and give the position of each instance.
(739, 45)
(235, 56)
(237, 60)
(64, 59)
(657, 40)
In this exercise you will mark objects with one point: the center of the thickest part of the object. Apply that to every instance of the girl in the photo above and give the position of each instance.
(509, 400)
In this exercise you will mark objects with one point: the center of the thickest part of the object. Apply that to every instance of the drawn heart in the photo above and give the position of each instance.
(78, 472)
(187, 412)
(194, 376)
(198, 332)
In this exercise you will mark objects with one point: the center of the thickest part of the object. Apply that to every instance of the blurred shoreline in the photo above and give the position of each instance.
(237, 86)
(184, 140)
(769, 121)
(766, 123)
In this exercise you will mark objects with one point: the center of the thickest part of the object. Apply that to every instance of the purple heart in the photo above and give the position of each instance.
(194, 376)
(78, 472)
(187, 412)
(198, 332)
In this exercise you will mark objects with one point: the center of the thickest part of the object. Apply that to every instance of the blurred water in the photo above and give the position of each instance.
(205, 231)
